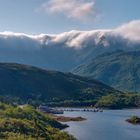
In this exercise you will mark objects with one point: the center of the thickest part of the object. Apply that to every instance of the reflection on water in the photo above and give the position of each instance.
(108, 125)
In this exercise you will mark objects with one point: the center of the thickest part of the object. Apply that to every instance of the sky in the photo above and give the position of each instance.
(56, 16)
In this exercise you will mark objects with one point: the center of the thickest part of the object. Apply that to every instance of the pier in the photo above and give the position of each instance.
(81, 110)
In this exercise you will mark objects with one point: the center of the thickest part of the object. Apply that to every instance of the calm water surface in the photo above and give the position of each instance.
(109, 125)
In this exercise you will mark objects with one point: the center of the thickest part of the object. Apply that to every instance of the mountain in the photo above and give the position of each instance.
(67, 50)
(119, 69)
(28, 82)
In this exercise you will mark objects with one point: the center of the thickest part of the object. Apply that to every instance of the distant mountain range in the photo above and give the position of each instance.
(119, 69)
(67, 50)
(96, 50)
(27, 82)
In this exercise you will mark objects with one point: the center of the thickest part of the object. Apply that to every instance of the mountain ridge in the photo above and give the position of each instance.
(67, 50)
(28, 82)
(119, 69)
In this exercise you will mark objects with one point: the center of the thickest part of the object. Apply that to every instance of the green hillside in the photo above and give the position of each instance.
(119, 69)
(31, 83)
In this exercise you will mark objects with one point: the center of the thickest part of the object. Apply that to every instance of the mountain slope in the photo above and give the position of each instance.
(118, 69)
(27, 82)
(67, 50)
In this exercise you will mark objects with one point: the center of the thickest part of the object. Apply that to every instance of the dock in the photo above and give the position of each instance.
(81, 110)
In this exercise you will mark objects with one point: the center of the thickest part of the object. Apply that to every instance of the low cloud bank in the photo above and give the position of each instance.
(69, 49)
(129, 32)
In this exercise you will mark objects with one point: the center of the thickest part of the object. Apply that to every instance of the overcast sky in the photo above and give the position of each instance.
(56, 16)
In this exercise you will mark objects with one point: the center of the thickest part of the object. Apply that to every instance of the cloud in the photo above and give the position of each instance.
(77, 9)
(18, 41)
(80, 39)
(130, 30)
(128, 33)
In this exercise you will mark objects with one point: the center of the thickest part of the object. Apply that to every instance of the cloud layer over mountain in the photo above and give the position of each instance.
(66, 50)
(130, 30)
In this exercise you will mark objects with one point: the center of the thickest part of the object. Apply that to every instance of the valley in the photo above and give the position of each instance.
(69, 70)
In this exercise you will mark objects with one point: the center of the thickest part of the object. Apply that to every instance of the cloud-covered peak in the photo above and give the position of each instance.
(130, 33)
(79, 39)
(66, 50)
(74, 39)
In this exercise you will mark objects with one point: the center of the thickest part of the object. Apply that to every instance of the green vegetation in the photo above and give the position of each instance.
(20, 123)
(119, 101)
(134, 120)
(21, 84)
(118, 69)
(110, 101)
(73, 103)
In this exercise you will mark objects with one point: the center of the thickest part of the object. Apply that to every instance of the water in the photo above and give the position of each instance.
(109, 125)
